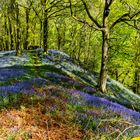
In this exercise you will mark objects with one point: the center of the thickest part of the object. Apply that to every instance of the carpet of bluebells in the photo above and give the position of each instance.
(50, 101)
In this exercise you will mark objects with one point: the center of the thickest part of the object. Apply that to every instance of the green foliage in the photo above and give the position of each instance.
(75, 38)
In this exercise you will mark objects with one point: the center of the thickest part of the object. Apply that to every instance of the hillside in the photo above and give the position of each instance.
(51, 97)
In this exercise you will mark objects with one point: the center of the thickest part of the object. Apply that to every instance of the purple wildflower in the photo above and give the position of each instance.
(22, 87)
(6, 73)
(56, 77)
(109, 106)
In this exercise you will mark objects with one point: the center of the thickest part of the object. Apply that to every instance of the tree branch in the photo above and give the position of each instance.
(71, 8)
(90, 16)
(85, 22)
(110, 2)
(124, 18)
(57, 11)
(135, 27)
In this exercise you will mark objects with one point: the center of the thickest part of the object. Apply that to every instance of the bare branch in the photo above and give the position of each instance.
(124, 18)
(135, 27)
(71, 7)
(90, 16)
(85, 22)
(134, 15)
(126, 129)
(52, 5)
(57, 11)
(110, 2)
(37, 13)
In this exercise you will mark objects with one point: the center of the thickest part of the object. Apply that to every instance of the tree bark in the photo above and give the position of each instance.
(17, 31)
(58, 37)
(136, 86)
(10, 35)
(27, 28)
(45, 32)
(6, 47)
(103, 71)
(105, 46)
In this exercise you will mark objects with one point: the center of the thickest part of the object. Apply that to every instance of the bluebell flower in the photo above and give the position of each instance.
(8, 73)
(109, 106)
(25, 86)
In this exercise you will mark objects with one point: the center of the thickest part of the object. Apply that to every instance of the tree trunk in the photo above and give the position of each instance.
(10, 35)
(136, 85)
(58, 38)
(105, 46)
(27, 28)
(64, 35)
(6, 47)
(138, 82)
(41, 34)
(17, 31)
(45, 32)
(103, 71)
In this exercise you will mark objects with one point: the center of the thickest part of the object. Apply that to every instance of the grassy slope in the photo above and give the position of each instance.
(51, 109)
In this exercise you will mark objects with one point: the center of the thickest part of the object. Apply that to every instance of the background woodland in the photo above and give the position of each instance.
(77, 27)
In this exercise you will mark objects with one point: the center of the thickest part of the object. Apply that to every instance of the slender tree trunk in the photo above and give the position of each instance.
(116, 75)
(64, 35)
(45, 32)
(27, 28)
(17, 31)
(58, 38)
(40, 41)
(138, 82)
(6, 34)
(10, 35)
(136, 86)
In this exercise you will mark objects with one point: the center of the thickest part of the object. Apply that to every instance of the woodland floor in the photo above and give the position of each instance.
(42, 102)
